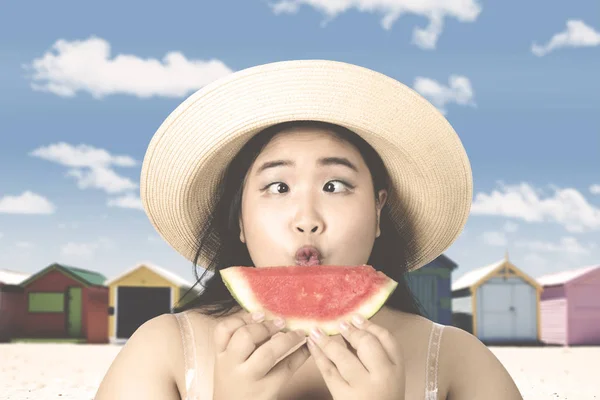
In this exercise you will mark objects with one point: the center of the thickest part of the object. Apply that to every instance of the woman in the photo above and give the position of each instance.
(271, 159)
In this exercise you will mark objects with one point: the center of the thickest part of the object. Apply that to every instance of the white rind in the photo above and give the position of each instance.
(238, 287)
(246, 298)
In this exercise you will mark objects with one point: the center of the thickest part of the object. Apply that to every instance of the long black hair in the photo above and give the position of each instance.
(222, 229)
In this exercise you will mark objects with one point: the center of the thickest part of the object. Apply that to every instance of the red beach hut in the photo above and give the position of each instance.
(67, 303)
(570, 307)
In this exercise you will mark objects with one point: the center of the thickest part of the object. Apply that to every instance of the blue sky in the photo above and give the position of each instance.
(85, 86)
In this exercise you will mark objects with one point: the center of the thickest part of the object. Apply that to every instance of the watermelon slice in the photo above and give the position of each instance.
(305, 297)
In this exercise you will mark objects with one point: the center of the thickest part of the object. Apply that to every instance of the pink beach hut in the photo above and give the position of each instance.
(570, 307)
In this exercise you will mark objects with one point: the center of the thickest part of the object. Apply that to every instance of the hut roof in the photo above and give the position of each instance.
(560, 278)
(9, 277)
(475, 276)
(83, 275)
(95, 278)
(166, 274)
(446, 262)
(478, 275)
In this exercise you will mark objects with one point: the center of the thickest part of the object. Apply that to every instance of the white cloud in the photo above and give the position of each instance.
(511, 227)
(91, 167)
(494, 238)
(127, 201)
(578, 34)
(567, 206)
(87, 65)
(86, 250)
(24, 245)
(595, 189)
(458, 91)
(499, 238)
(567, 244)
(101, 178)
(434, 10)
(81, 156)
(26, 203)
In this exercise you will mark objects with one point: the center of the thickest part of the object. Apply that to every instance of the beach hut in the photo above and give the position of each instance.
(431, 286)
(139, 294)
(67, 303)
(498, 303)
(12, 306)
(570, 307)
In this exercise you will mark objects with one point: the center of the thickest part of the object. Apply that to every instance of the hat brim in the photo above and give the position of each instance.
(431, 193)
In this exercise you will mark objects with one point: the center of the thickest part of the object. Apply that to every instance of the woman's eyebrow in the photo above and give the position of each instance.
(325, 161)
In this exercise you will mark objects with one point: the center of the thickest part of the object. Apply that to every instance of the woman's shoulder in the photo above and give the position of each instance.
(465, 365)
(168, 337)
(454, 342)
(415, 334)
(151, 353)
(416, 325)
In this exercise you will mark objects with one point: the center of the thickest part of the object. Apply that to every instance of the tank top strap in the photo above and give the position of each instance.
(433, 351)
(189, 352)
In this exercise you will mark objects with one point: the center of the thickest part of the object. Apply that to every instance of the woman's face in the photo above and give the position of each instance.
(307, 201)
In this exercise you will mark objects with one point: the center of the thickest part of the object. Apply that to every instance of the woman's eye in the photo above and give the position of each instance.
(279, 187)
(330, 185)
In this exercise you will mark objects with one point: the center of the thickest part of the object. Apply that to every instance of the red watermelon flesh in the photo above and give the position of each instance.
(305, 297)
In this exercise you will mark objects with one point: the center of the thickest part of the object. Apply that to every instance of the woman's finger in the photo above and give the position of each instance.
(347, 364)
(369, 348)
(225, 329)
(386, 339)
(328, 369)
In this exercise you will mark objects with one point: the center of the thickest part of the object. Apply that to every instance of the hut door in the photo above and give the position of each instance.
(136, 305)
(74, 312)
(525, 306)
(495, 318)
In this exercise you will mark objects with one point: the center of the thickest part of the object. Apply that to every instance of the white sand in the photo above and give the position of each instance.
(69, 371)
(553, 372)
(53, 371)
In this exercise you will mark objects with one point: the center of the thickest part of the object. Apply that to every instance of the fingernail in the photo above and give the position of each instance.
(345, 326)
(279, 322)
(316, 333)
(358, 319)
(258, 315)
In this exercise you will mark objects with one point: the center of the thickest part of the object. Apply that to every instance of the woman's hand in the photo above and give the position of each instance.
(253, 358)
(376, 371)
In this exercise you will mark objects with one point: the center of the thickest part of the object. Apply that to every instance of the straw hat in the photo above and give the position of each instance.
(432, 186)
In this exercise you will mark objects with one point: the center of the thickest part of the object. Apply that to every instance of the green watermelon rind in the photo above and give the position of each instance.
(241, 292)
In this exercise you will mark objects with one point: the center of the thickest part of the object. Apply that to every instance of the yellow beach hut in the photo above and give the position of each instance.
(498, 303)
(139, 294)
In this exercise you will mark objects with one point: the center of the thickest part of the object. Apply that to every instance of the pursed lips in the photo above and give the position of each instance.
(308, 256)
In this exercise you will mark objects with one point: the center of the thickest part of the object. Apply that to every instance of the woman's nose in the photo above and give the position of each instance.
(309, 222)
(309, 227)
(308, 218)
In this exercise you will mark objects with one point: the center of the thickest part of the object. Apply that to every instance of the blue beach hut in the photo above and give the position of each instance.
(431, 285)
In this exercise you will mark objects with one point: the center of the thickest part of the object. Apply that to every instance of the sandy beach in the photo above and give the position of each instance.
(70, 371)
